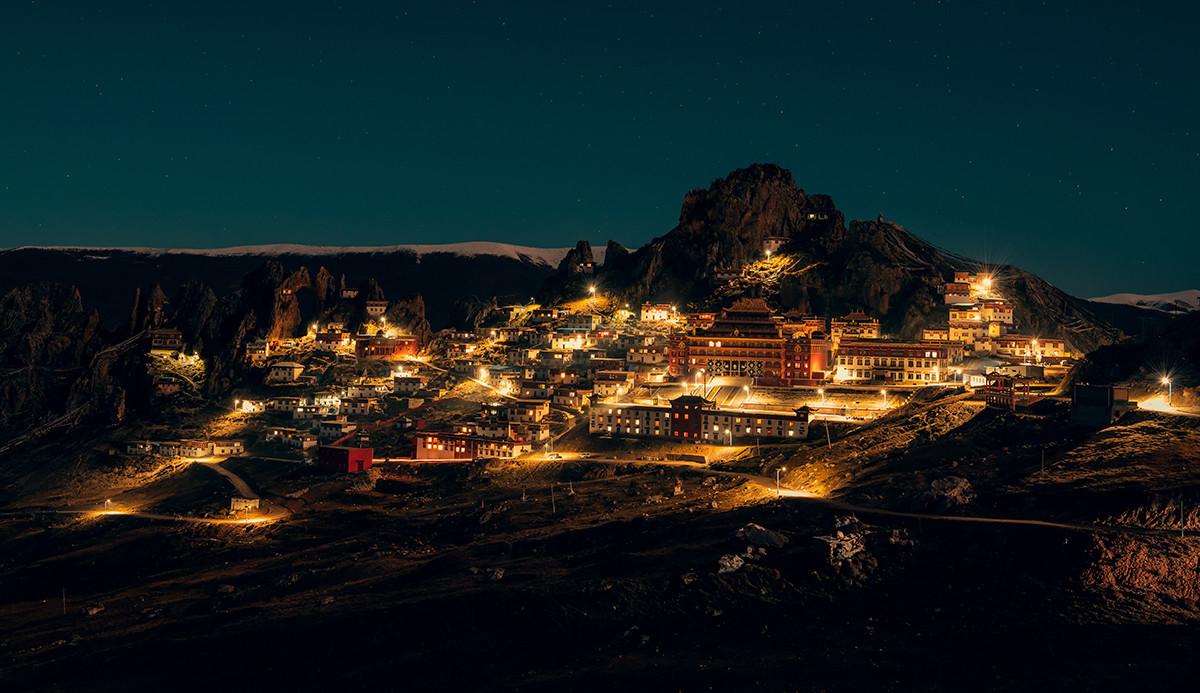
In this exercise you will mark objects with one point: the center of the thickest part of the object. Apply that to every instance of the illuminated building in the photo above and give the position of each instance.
(856, 325)
(376, 307)
(748, 340)
(657, 312)
(331, 341)
(284, 372)
(896, 362)
(691, 418)
(382, 347)
(1026, 346)
(433, 445)
(166, 340)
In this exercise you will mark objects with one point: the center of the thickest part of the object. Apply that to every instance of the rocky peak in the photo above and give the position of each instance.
(578, 261)
(614, 253)
(149, 306)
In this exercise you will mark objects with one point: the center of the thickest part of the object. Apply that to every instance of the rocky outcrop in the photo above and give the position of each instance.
(149, 309)
(579, 261)
(408, 315)
(56, 359)
(615, 253)
(876, 265)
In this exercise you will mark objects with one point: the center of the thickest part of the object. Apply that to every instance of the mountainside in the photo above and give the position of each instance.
(452, 278)
(721, 246)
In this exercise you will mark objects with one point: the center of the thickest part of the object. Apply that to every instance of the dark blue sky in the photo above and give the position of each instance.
(1058, 136)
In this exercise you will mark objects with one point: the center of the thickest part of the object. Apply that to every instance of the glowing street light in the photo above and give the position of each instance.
(778, 490)
(987, 283)
(1170, 390)
(883, 396)
(821, 392)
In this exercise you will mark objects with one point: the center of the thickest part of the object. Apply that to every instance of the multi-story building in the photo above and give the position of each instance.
(856, 325)
(537, 389)
(657, 312)
(1025, 346)
(383, 347)
(890, 361)
(648, 355)
(691, 418)
(518, 410)
(334, 429)
(332, 341)
(805, 326)
(359, 406)
(166, 340)
(284, 372)
(573, 396)
(582, 321)
(747, 340)
(996, 310)
(459, 446)
(257, 351)
(613, 383)
(408, 384)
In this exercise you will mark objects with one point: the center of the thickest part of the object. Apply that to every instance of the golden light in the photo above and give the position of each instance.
(592, 289)
(987, 282)
(1165, 380)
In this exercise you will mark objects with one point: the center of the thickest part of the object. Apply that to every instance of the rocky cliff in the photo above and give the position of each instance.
(56, 360)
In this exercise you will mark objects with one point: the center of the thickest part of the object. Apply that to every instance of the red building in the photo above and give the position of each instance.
(687, 416)
(344, 459)
(381, 347)
(748, 340)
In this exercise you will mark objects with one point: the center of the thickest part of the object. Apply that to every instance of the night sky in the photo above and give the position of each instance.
(1061, 137)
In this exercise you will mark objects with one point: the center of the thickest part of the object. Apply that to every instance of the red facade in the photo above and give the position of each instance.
(343, 459)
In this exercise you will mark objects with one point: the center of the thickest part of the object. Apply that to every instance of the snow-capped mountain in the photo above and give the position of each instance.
(1175, 302)
(544, 256)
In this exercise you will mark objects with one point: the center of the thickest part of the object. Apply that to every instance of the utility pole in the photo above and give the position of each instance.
(553, 507)
(828, 440)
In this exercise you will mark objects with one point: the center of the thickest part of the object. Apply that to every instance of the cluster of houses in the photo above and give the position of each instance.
(504, 429)
(192, 449)
(983, 322)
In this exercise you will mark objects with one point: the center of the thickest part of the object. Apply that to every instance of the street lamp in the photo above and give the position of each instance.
(778, 491)
(883, 396)
(1170, 390)
(821, 392)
